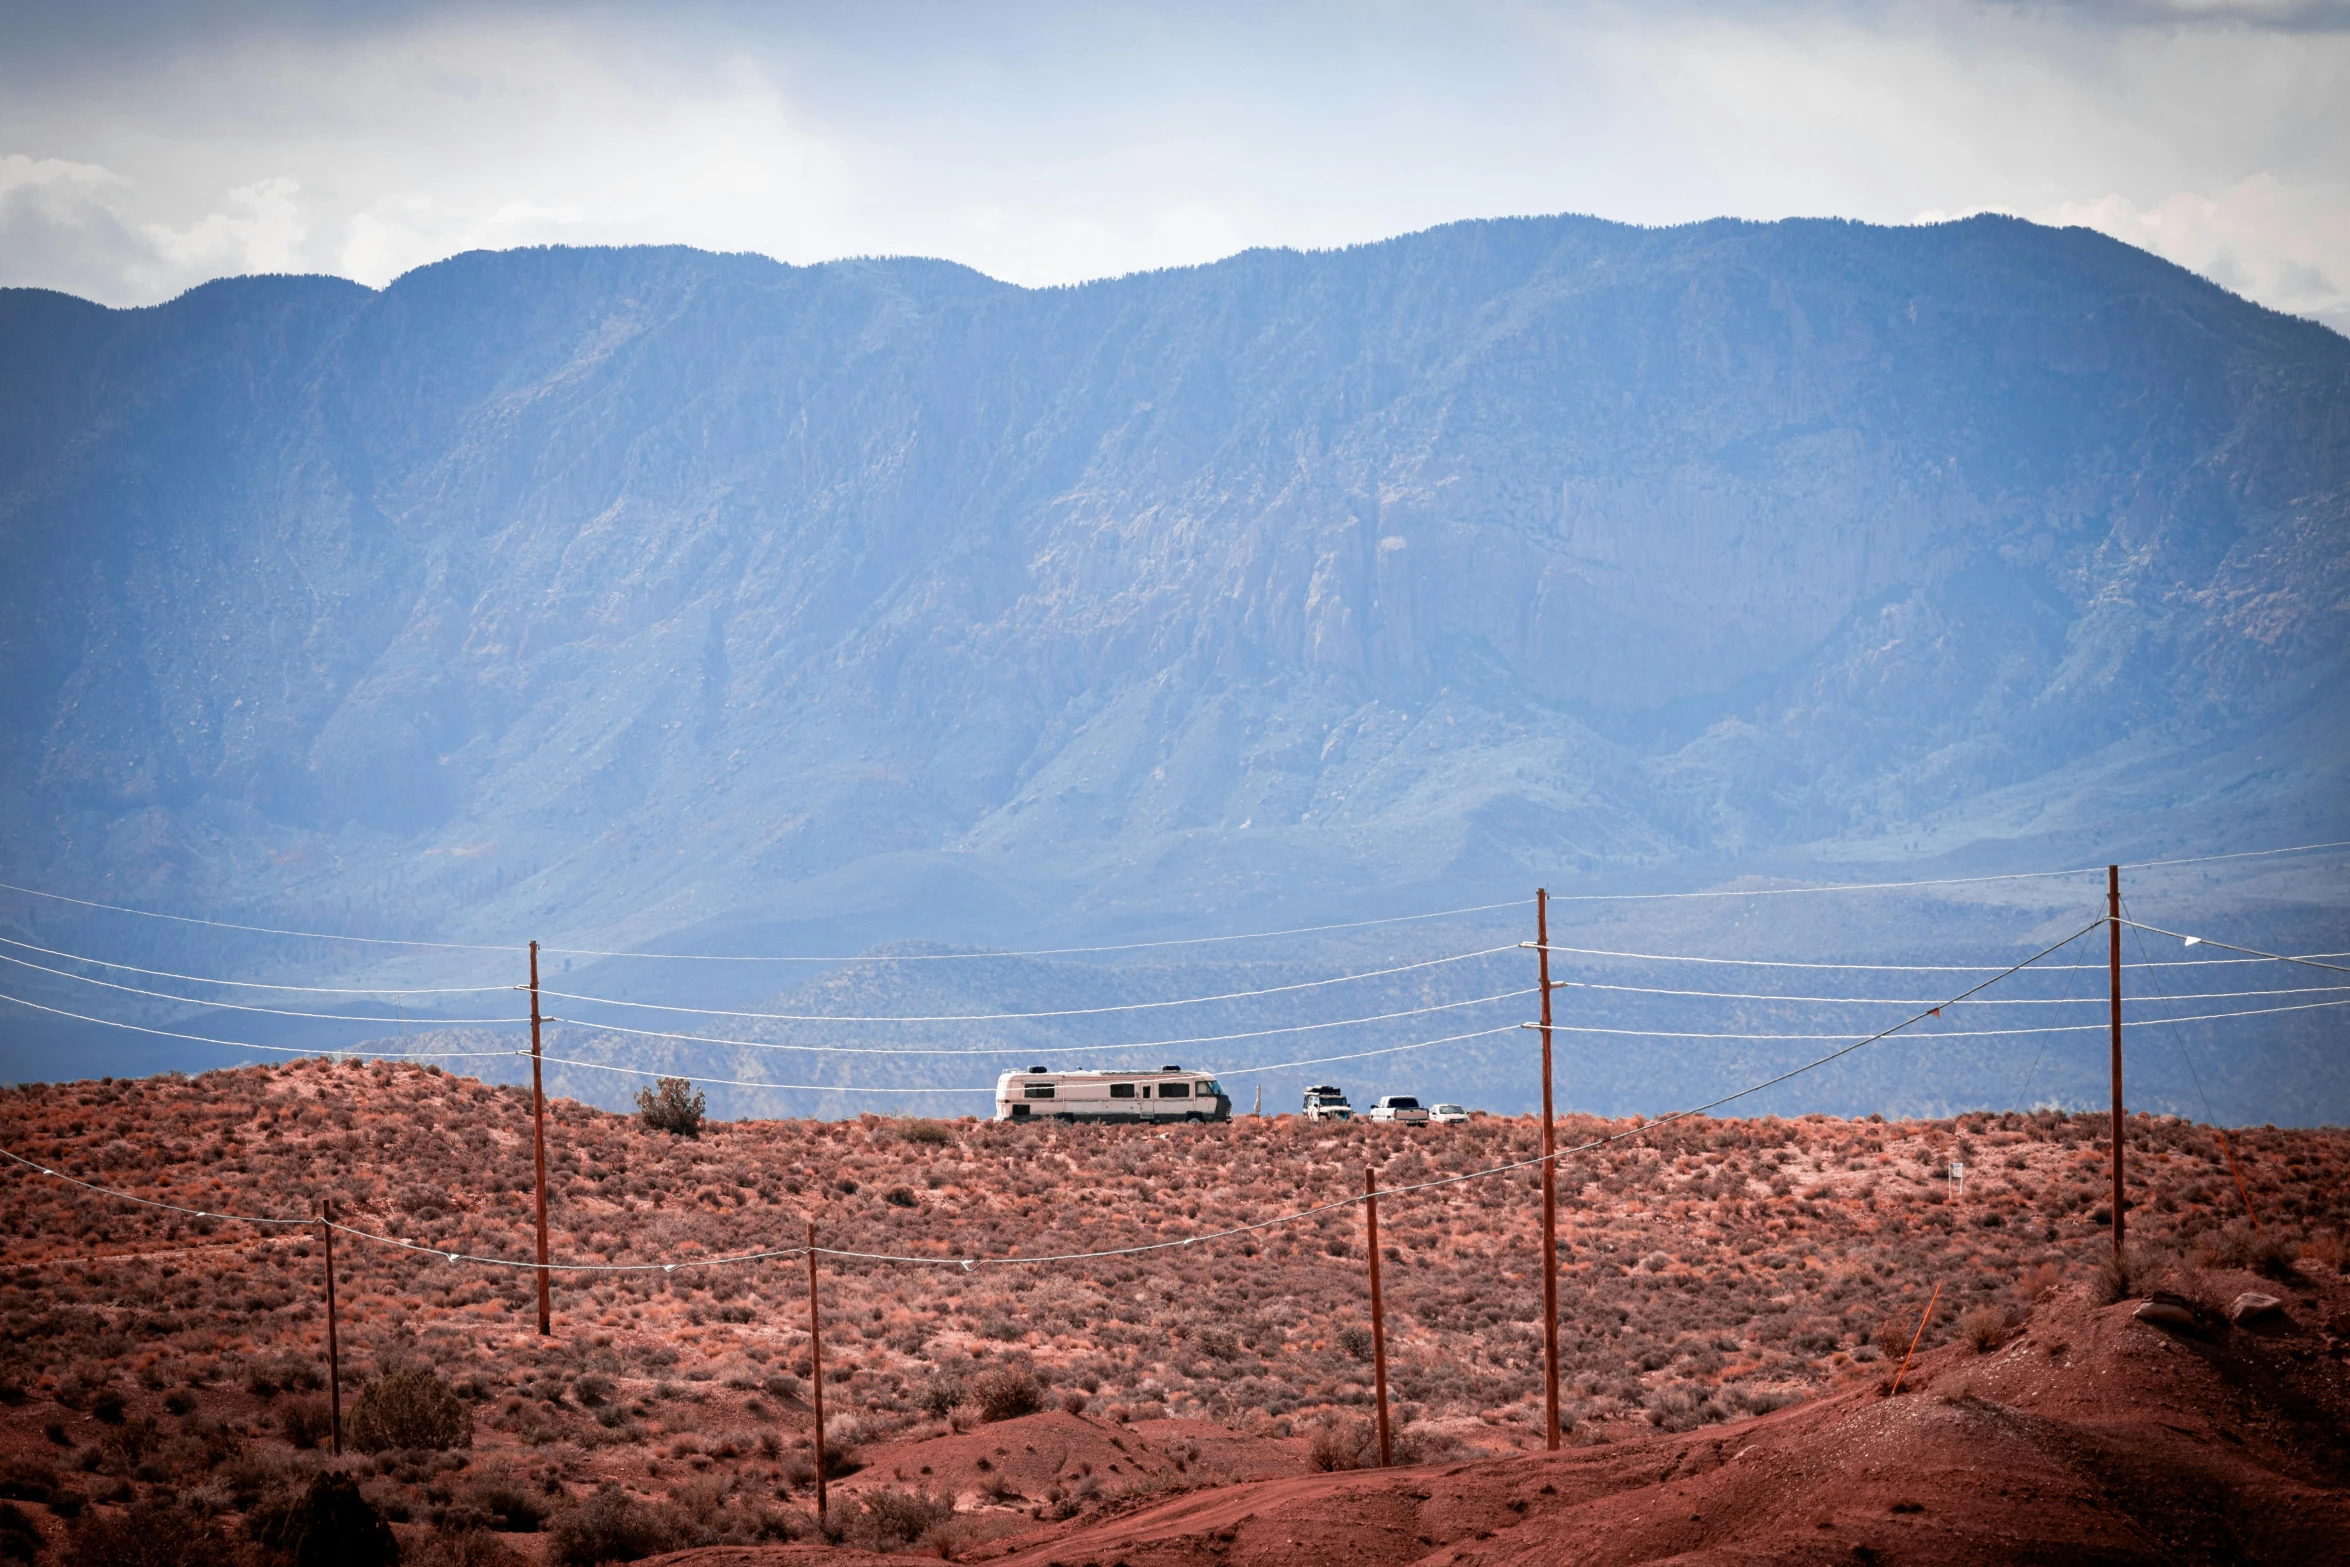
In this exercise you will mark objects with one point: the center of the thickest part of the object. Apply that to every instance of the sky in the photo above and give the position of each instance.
(145, 148)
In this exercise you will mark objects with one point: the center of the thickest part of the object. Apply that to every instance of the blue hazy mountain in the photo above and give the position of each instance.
(654, 595)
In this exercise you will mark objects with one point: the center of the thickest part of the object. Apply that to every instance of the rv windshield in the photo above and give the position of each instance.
(1211, 1089)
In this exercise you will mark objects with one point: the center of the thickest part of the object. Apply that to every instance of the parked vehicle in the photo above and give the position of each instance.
(1402, 1109)
(1169, 1094)
(1447, 1115)
(1328, 1103)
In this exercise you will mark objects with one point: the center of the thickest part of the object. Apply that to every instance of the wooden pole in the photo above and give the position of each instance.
(2113, 910)
(816, 1369)
(1378, 1315)
(1550, 1192)
(538, 1144)
(334, 1350)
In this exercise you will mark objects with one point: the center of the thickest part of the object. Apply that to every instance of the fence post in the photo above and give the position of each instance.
(816, 1370)
(1378, 1313)
(334, 1352)
(538, 1145)
(1550, 1193)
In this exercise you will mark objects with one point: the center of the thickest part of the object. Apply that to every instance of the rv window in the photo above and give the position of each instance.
(1174, 1090)
(1037, 1091)
(1211, 1090)
(1121, 1090)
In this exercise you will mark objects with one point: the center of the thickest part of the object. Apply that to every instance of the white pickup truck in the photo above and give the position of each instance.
(1402, 1109)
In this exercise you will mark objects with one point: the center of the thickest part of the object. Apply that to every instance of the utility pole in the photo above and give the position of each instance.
(2113, 921)
(1378, 1313)
(816, 1370)
(334, 1352)
(538, 1144)
(1550, 1193)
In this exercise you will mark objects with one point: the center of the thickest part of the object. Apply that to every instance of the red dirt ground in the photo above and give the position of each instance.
(1712, 1271)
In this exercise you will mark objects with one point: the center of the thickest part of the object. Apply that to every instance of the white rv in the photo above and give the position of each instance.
(1168, 1094)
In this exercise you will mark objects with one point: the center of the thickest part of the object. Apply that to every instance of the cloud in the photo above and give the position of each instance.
(2287, 248)
(266, 237)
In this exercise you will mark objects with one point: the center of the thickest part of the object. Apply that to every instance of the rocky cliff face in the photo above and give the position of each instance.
(627, 589)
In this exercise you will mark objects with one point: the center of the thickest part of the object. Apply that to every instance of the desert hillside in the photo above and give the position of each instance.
(1712, 1272)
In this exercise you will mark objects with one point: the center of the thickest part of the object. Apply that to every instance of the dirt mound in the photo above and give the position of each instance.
(2092, 1435)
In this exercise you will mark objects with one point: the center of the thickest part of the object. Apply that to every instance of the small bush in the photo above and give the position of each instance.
(2119, 1278)
(941, 1393)
(510, 1504)
(328, 1525)
(935, 1133)
(465, 1548)
(306, 1422)
(1984, 1328)
(149, 1534)
(671, 1105)
(899, 1197)
(609, 1526)
(890, 1517)
(2241, 1246)
(1343, 1442)
(1006, 1393)
(20, 1537)
(410, 1409)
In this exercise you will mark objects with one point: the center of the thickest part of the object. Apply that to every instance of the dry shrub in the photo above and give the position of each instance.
(465, 1548)
(1984, 1328)
(149, 1534)
(1006, 1393)
(410, 1409)
(891, 1516)
(329, 1525)
(2239, 1245)
(2120, 1277)
(1343, 1442)
(672, 1106)
(306, 1422)
(941, 1393)
(609, 1526)
(935, 1133)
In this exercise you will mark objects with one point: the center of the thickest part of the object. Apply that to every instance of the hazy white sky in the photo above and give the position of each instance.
(144, 148)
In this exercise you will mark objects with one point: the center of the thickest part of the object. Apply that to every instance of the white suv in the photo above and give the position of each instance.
(1448, 1115)
(1400, 1108)
(1326, 1102)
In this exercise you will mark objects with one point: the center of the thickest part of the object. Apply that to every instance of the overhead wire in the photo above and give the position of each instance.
(1031, 1049)
(283, 1050)
(229, 1006)
(254, 984)
(1010, 1017)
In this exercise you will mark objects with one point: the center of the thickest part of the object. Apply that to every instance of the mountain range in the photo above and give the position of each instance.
(650, 598)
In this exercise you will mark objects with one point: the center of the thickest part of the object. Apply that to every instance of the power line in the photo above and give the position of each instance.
(237, 1006)
(1030, 1049)
(2213, 941)
(1006, 1017)
(1040, 952)
(2247, 854)
(253, 984)
(1905, 968)
(283, 1050)
(1916, 1001)
(261, 930)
